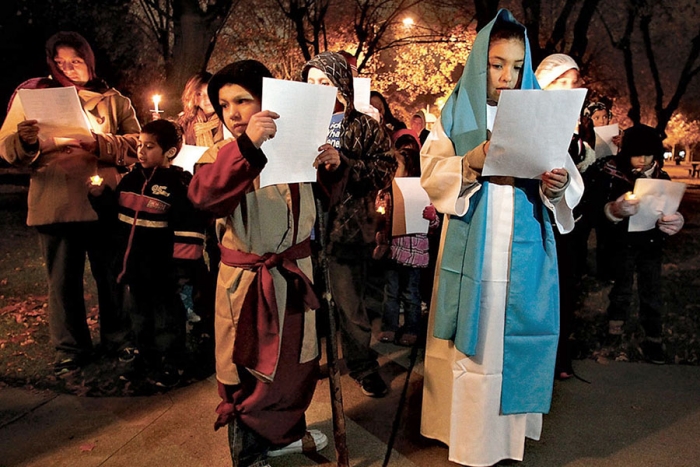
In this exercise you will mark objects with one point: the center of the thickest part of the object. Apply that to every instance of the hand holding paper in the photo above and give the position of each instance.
(261, 127)
(57, 111)
(658, 200)
(28, 132)
(329, 158)
(554, 181)
(671, 224)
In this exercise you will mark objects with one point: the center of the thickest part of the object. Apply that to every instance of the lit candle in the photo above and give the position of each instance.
(156, 101)
(629, 195)
(381, 210)
(96, 180)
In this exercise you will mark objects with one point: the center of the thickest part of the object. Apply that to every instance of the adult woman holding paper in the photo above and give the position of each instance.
(58, 194)
(493, 328)
(266, 345)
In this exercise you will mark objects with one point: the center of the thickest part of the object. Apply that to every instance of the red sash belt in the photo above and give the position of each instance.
(258, 332)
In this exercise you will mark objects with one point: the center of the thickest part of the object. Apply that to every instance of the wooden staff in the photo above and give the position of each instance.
(341, 447)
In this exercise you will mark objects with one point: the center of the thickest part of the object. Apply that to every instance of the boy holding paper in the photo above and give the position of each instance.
(640, 253)
(266, 346)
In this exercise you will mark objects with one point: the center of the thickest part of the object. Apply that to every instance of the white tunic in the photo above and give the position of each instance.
(462, 395)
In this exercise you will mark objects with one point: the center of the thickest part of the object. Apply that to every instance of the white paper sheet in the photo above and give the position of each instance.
(361, 90)
(532, 131)
(188, 156)
(603, 140)
(656, 198)
(305, 112)
(407, 216)
(58, 111)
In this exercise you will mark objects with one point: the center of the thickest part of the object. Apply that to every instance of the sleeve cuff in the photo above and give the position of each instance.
(253, 155)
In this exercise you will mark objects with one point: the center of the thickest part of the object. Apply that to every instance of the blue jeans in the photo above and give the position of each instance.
(402, 287)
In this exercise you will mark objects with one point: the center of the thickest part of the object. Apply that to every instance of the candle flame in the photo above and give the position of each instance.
(96, 180)
(630, 195)
(381, 210)
(156, 99)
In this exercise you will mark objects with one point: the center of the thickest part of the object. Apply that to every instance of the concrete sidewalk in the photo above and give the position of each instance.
(631, 414)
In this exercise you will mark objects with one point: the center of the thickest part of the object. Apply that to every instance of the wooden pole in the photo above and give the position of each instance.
(339, 431)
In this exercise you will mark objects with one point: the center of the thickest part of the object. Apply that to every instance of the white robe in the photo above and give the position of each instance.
(462, 395)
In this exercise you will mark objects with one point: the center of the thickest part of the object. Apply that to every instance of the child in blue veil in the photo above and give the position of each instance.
(492, 338)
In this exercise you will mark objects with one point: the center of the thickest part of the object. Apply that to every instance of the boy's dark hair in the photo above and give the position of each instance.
(505, 30)
(640, 140)
(168, 134)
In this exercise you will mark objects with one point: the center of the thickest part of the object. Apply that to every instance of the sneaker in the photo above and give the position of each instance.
(167, 378)
(193, 317)
(373, 385)
(128, 354)
(654, 352)
(65, 365)
(313, 441)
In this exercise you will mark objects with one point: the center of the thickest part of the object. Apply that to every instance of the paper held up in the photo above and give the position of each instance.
(305, 112)
(361, 92)
(188, 156)
(409, 201)
(603, 140)
(58, 112)
(532, 132)
(657, 198)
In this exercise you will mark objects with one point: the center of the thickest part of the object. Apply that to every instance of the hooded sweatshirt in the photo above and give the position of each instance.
(367, 164)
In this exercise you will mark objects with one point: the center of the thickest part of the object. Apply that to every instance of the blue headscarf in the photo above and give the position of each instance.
(464, 115)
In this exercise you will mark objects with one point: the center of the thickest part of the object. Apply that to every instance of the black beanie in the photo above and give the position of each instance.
(642, 140)
(246, 73)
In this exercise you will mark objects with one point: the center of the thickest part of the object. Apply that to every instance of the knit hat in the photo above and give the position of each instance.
(553, 67)
(248, 74)
(642, 140)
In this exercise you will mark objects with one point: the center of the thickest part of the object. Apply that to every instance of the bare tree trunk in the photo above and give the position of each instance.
(195, 34)
(485, 11)
(690, 69)
(580, 42)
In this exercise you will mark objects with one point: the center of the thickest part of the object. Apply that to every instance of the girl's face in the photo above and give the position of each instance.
(641, 162)
(569, 80)
(72, 65)
(150, 153)
(237, 106)
(316, 76)
(600, 118)
(417, 124)
(203, 101)
(506, 59)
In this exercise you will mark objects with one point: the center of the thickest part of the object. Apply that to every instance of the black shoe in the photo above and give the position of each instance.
(654, 352)
(373, 385)
(128, 354)
(167, 378)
